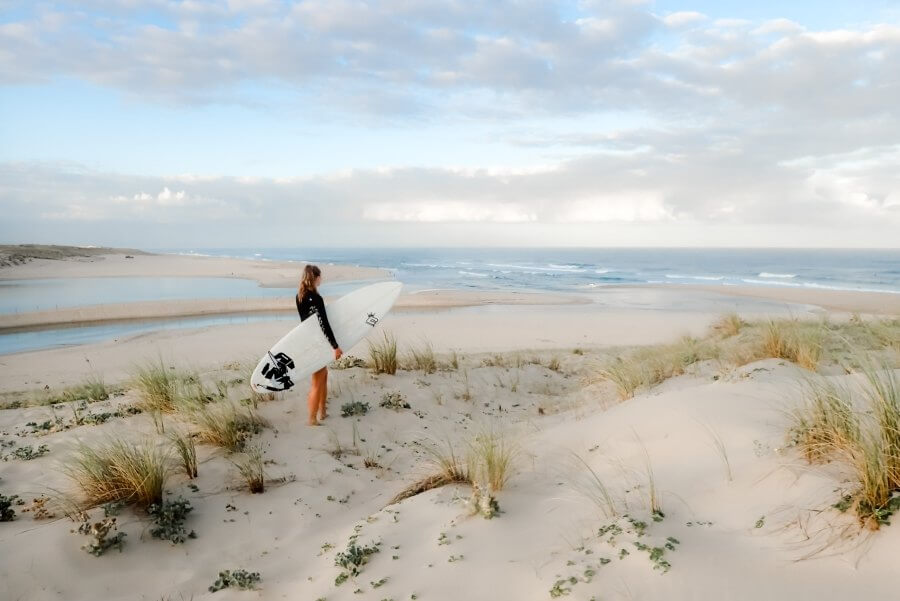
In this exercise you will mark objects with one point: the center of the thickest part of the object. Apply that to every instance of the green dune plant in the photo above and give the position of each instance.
(383, 355)
(168, 520)
(239, 579)
(120, 470)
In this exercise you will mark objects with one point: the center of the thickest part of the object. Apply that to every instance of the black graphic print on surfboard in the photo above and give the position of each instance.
(275, 370)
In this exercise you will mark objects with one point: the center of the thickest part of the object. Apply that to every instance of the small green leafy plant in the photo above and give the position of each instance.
(241, 579)
(28, 453)
(7, 513)
(354, 408)
(394, 400)
(353, 558)
(169, 520)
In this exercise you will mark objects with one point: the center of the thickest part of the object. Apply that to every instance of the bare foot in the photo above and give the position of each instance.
(323, 416)
(313, 423)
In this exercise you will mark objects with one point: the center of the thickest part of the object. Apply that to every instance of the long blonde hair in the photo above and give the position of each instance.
(308, 280)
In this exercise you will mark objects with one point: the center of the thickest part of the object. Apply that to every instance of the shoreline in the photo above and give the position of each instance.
(268, 274)
(847, 301)
(153, 310)
(283, 274)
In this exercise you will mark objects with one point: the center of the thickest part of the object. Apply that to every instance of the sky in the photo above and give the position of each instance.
(273, 123)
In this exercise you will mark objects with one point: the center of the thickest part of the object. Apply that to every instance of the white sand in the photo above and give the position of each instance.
(548, 531)
(268, 273)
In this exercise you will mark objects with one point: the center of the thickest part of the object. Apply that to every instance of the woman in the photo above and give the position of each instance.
(308, 303)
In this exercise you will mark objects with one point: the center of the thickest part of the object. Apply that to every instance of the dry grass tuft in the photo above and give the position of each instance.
(251, 467)
(187, 452)
(226, 424)
(492, 459)
(157, 387)
(861, 428)
(119, 470)
(647, 367)
(487, 461)
(728, 325)
(422, 358)
(383, 355)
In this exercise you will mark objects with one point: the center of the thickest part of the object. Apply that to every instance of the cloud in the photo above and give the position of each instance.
(682, 18)
(729, 122)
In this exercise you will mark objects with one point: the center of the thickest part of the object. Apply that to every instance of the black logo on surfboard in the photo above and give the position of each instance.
(371, 319)
(276, 372)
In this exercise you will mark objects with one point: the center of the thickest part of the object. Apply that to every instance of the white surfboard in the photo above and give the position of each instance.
(305, 350)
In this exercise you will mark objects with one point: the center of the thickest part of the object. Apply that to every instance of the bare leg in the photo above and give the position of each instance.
(312, 400)
(323, 394)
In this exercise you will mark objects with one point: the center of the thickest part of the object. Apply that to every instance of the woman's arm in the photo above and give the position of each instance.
(319, 304)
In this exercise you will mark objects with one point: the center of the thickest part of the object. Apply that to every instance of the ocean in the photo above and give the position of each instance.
(586, 269)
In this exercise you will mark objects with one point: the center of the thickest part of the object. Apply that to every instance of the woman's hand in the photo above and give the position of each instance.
(338, 353)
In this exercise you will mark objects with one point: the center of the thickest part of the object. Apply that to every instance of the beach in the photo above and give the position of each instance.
(686, 487)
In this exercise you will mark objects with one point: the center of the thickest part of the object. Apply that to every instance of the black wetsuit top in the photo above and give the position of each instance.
(312, 303)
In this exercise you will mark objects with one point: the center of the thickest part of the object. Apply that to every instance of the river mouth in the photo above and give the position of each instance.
(35, 339)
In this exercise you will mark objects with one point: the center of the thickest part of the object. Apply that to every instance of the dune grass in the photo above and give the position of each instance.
(492, 459)
(157, 387)
(422, 358)
(728, 325)
(594, 487)
(120, 470)
(860, 427)
(718, 444)
(251, 467)
(226, 425)
(383, 355)
(487, 461)
(92, 389)
(187, 452)
(825, 420)
(734, 342)
(798, 342)
(650, 366)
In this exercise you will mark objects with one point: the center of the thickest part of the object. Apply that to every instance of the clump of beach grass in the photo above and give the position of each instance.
(861, 428)
(650, 366)
(187, 452)
(594, 487)
(487, 461)
(92, 389)
(383, 355)
(493, 457)
(226, 425)
(800, 343)
(157, 387)
(422, 358)
(825, 420)
(120, 470)
(728, 325)
(251, 467)
(447, 465)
